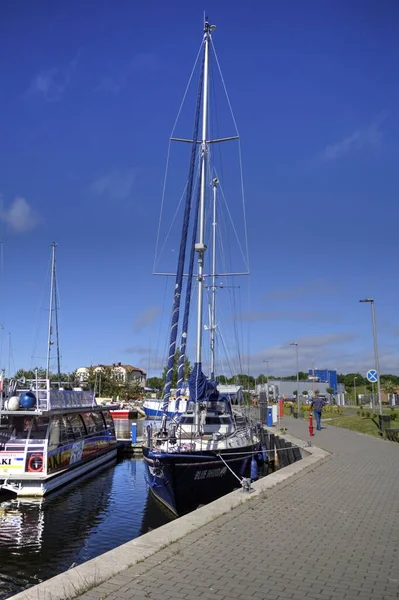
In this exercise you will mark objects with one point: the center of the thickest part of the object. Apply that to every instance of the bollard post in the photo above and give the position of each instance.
(310, 423)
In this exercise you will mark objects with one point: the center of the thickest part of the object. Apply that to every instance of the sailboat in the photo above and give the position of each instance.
(207, 450)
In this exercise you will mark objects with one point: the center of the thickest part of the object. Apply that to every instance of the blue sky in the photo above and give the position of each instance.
(88, 96)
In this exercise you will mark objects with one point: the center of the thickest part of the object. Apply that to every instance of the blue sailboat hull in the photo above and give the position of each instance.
(183, 481)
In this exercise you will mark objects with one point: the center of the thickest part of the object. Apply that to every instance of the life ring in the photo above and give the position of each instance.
(35, 463)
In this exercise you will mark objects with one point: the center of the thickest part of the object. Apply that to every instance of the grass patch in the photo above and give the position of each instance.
(354, 423)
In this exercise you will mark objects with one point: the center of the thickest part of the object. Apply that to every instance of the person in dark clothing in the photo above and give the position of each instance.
(317, 404)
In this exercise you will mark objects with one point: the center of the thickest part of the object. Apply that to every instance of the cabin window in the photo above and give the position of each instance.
(19, 428)
(39, 428)
(67, 434)
(109, 422)
(90, 424)
(99, 421)
(186, 420)
(14, 429)
(77, 425)
(218, 420)
(55, 433)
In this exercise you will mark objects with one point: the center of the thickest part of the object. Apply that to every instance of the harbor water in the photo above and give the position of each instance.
(44, 537)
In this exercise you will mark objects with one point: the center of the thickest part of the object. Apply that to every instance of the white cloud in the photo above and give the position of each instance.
(118, 78)
(366, 137)
(291, 316)
(117, 184)
(50, 84)
(147, 317)
(19, 216)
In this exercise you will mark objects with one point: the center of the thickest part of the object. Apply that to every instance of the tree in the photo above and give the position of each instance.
(155, 383)
(186, 370)
(42, 373)
(330, 391)
(389, 387)
(222, 379)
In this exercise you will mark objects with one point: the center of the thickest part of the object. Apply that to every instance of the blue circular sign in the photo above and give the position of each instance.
(372, 376)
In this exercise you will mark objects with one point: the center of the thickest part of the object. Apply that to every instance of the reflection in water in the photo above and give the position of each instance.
(39, 539)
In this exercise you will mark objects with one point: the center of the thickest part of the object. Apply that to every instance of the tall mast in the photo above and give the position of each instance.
(215, 182)
(200, 246)
(56, 325)
(50, 319)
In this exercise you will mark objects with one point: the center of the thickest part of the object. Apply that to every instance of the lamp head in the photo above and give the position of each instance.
(367, 300)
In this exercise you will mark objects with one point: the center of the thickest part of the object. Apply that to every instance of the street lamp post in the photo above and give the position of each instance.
(376, 359)
(354, 387)
(297, 376)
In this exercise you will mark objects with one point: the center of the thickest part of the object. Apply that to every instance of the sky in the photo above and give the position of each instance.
(89, 93)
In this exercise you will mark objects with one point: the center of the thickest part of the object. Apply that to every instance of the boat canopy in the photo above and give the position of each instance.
(201, 389)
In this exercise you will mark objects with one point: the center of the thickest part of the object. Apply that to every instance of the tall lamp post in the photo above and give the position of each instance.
(297, 376)
(376, 359)
(354, 388)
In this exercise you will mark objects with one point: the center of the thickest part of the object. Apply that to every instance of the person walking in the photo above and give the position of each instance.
(317, 404)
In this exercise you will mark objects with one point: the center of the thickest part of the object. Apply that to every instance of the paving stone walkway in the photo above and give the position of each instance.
(328, 533)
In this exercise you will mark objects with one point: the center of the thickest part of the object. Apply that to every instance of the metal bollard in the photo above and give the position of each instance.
(310, 423)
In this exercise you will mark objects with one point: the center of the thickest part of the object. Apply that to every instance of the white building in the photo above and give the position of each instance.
(121, 373)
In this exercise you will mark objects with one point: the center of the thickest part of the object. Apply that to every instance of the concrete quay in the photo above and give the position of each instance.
(324, 528)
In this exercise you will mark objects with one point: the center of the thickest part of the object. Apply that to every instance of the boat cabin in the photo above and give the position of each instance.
(62, 429)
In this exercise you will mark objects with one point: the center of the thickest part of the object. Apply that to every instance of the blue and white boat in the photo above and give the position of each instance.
(153, 407)
(208, 449)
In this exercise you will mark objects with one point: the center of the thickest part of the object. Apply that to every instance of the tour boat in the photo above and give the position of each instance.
(50, 436)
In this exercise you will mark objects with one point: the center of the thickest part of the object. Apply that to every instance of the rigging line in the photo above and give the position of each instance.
(187, 87)
(239, 146)
(244, 209)
(216, 118)
(168, 154)
(170, 228)
(162, 206)
(244, 256)
(230, 364)
(224, 87)
(249, 328)
(56, 307)
(39, 317)
(236, 332)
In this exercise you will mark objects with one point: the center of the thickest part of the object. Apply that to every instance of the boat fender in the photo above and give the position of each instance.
(254, 469)
(35, 463)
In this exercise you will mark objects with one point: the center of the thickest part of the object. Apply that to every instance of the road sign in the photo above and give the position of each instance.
(372, 376)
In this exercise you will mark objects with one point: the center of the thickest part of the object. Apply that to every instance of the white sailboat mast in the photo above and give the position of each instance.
(53, 307)
(200, 246)
(215, 182)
